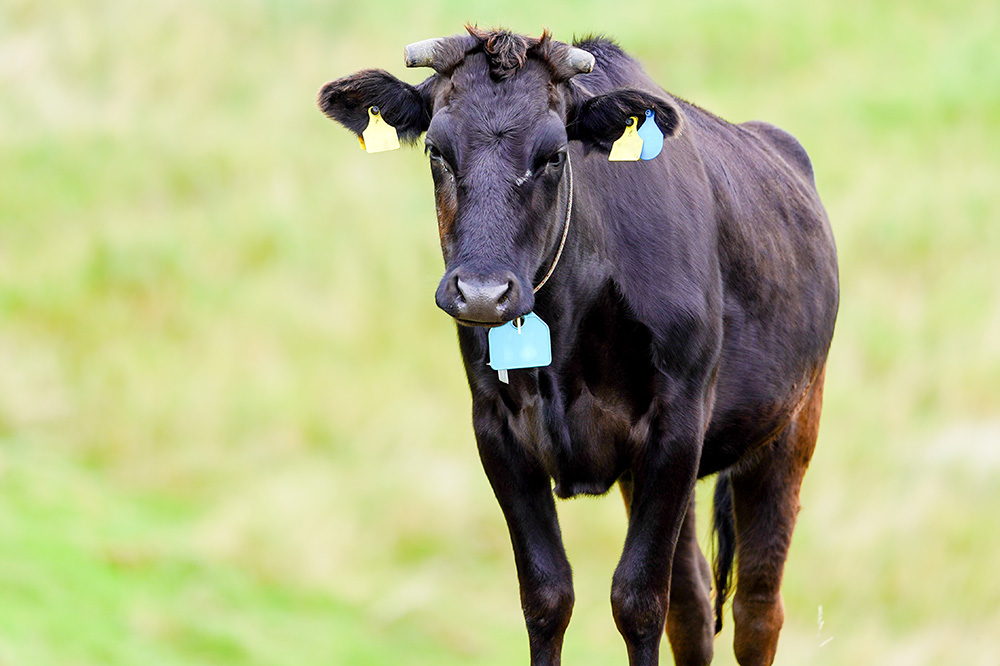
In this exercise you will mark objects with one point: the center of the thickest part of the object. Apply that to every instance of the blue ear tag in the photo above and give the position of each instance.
(526, 346)
(652, 137)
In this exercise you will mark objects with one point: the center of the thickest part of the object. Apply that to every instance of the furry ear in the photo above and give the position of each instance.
(405, 107)
(600, 120)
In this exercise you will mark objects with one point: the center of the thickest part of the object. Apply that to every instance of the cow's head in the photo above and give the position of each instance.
(499, 113)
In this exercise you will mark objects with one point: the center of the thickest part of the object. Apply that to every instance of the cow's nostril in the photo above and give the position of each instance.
(495, 292)
(463, 288)
(507, 293)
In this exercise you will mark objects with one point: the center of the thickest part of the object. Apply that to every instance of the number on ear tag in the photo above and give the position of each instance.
(379, 136)
(651, 135)
(524, 346)
(629, 146)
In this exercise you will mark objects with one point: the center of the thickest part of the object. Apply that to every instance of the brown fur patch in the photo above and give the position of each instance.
(766, 503)
(447, 208)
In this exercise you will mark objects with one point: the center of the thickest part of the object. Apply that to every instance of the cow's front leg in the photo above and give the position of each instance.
(524, 492)
(663, 481)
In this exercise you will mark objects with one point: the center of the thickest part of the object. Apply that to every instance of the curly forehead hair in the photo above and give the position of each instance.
(507, 51)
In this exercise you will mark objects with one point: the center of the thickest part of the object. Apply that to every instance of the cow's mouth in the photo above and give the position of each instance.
(479, 324)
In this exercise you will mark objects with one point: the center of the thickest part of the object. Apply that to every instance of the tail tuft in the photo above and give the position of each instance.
(724, 531)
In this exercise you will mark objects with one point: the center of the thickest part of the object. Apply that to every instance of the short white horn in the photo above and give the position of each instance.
(421, 54)
(580, 61)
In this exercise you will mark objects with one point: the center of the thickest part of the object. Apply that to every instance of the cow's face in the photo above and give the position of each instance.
(496, 116)
(497, 151)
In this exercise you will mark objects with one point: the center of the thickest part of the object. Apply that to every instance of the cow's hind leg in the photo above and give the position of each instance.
(689, 614)
(766, 503)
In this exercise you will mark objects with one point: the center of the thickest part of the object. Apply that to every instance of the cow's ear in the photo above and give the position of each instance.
(600, 120)
(405, 107)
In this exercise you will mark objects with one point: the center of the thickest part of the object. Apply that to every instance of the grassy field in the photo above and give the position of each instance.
(234, 428)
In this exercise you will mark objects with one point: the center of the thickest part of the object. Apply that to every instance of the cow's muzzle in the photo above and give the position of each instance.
(478, 300)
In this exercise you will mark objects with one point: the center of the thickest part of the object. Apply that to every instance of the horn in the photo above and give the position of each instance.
(580, 61)
(421, 54)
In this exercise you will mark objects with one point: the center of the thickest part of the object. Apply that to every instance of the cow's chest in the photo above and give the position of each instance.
(586, 420)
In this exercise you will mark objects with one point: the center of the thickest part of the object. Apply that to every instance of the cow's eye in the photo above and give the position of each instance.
(434, 153)
(556, 160)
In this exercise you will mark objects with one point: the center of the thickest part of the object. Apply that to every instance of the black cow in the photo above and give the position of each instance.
(691, 301)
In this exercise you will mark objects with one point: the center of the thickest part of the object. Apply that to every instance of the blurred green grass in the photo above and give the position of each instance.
(234, 428)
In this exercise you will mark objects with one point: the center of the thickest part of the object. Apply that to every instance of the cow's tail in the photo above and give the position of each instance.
(724, 533)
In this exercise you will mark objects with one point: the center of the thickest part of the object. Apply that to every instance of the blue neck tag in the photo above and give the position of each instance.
(652, 137)
(526, 346)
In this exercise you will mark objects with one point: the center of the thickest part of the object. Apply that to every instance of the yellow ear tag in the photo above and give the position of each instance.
(379, 136)
(629, 146)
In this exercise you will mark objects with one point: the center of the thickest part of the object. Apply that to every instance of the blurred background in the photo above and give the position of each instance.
(234, 428)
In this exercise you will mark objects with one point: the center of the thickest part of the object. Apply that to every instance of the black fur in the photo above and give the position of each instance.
(691, 314)
(600, 119)
(403, 106)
